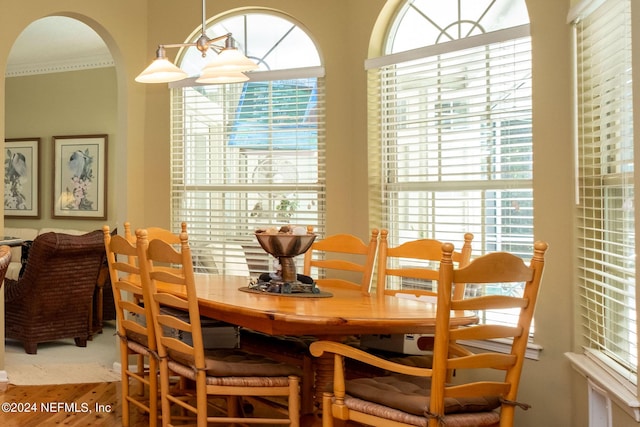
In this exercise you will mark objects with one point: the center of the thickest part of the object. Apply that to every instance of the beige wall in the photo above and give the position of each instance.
(342, 30)
(71, 103)
(547, 381)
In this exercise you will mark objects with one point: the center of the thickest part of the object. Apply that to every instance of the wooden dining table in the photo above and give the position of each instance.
(347, 311)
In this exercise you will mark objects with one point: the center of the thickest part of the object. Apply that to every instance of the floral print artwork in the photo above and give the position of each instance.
(15, 178)
(80, 176)
(81, 171)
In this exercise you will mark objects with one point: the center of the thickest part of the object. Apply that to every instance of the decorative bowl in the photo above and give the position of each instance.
(285, 245)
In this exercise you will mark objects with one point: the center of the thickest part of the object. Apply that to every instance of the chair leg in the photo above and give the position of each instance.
(327, 415)
(308, 385)
(81, 341)
(164, 391)
(153, 392)
(30, 347)
(234, 405)
(294, 401)
(124, 401)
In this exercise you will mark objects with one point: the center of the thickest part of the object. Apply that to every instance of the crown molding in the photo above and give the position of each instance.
(74, 64)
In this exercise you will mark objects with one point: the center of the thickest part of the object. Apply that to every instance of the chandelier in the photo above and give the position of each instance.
(227, 66)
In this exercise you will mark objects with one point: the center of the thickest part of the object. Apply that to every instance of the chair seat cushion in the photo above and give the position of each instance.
(475, 419)
(411, 394)
(138, 348)
(238, 363)
(138, 338)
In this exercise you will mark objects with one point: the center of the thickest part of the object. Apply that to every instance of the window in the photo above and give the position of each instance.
(251, 155)
(452, 130)
(606, 203)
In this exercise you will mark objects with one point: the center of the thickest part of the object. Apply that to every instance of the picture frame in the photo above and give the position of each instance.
(22, 178)
(80, 177)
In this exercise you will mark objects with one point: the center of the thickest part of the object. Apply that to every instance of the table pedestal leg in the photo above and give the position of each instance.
(324, 376)
(323, 369)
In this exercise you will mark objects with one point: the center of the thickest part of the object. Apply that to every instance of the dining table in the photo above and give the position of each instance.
(334, 314)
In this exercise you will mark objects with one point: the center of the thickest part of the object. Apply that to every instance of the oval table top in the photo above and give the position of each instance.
(346, 312)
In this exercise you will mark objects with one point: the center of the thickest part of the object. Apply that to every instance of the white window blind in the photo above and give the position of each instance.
(246, 156)
(450, 129)
(606, 257)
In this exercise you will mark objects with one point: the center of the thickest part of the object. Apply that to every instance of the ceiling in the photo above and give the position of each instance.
(56, 44)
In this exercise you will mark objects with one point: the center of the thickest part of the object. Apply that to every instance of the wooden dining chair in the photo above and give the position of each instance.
(140, 386)
(411, 270)
(325, 257)
(407, 268)
(229, 374)
(342, 253)
(413, 396)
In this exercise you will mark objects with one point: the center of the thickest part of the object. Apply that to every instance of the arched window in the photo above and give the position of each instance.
(451, 125)
(249, 155)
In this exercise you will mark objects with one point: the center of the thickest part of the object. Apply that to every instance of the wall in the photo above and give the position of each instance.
(546, 383)
(343, 30)
(71, 103)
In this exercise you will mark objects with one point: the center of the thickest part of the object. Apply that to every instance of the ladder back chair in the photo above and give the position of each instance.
(322, 257)
(136, 338)
(422, 258)
(342, 252)
(416, 264)
(415, 396)
(228, 374)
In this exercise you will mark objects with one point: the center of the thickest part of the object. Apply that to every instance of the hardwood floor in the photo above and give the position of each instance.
(73, 405)
(68, 404)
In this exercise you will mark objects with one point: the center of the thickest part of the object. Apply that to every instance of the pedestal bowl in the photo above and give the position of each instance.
(285, 247)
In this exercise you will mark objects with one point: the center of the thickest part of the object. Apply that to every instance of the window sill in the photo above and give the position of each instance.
(503, 346)
(620, 390)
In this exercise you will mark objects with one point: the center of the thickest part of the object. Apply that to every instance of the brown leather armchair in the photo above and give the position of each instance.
(52, 299)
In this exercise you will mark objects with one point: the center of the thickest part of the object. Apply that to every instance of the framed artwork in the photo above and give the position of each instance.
(22, 178)
(80, 177)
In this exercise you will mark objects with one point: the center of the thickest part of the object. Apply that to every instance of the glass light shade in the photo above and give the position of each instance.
(230, 60)
(161, 70)
(217, 77)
